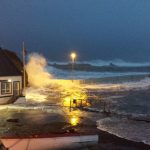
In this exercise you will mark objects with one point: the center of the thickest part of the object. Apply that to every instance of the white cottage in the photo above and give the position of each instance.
(10, 76)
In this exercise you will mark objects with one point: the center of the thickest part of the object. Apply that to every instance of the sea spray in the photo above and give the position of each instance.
(44, 86)
(38, 76)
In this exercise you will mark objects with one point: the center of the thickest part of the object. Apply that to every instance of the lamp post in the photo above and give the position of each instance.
(73, 57)
(24, 69)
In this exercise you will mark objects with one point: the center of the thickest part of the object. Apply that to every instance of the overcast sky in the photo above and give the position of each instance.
(96, 29)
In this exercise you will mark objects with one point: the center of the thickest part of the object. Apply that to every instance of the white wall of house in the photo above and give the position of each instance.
(5, 97)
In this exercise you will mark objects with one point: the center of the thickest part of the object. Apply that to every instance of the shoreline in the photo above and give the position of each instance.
(107, 140)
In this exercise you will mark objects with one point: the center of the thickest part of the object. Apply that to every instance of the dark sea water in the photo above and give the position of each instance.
(136, 102)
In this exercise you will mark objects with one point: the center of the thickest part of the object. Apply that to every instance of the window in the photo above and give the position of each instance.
(6, 87)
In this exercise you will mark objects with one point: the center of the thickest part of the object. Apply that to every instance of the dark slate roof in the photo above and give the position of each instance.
(10, 64)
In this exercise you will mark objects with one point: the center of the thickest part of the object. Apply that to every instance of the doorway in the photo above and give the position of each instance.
(16, 88)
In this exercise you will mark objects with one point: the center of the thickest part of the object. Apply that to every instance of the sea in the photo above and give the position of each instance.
(63, 74)
(133, 119)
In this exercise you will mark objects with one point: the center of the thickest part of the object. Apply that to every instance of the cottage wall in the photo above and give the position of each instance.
(6, 97)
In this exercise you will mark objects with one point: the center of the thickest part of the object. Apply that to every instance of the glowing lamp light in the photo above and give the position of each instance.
(73, 56)
(9, 80)
(74, 121)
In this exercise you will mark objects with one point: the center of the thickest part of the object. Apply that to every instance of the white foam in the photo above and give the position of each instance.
(118, 62)
(64, 74)
(128, 129)
(143, 84)
(100, 62)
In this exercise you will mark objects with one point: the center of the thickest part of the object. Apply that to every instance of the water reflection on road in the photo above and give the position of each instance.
(36, 120)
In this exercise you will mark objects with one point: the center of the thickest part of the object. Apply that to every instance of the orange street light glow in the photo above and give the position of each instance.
(74, 121)
(73, 56)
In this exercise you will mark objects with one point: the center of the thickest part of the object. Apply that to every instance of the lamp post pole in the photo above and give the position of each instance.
(24, 71)
(73, 57)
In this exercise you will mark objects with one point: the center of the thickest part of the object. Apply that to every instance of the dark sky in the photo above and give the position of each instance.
(96, 29)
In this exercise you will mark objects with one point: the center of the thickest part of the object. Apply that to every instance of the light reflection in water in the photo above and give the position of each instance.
(74, 117)
(74, 120)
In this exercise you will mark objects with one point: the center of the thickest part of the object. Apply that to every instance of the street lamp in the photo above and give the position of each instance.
(73, 57)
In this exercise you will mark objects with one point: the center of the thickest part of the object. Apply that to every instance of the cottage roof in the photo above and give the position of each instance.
(10, 64)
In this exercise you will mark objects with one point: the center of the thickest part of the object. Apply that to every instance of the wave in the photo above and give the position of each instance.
(65, 74)
(118, 62)
(142, 84)
(100, 62)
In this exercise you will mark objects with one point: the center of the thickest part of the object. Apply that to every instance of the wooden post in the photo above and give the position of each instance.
(24, 70)
(70, 104)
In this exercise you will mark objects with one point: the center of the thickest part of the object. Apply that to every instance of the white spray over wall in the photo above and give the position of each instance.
(38, 76)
